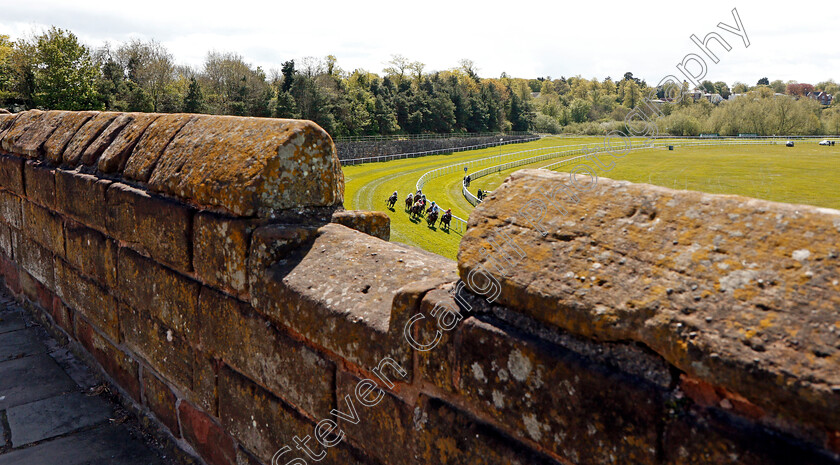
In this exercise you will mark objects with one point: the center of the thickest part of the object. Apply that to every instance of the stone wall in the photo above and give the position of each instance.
(206, 265)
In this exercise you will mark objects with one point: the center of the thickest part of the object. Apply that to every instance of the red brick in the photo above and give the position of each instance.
(206, 436)
(39, 180)
(235, 333)
(158, 226)
(160, 292)
(11, 275)
(82, 197)
(220, 248)
(119, 365)
(34, 290)
(62, 315)
(10, 210)
(707, 395)
(11, 173)
(165, 350)
(89, 299)
(35, 259)
(161, 401)
(44, 227)
(91, 252)
(701, 392)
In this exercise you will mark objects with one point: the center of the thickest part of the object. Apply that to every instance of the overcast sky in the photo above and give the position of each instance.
(525, 39)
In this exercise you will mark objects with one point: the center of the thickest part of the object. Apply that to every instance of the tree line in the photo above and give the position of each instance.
(54, 70)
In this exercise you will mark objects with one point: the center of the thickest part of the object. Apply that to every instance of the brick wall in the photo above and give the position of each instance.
(203, 262)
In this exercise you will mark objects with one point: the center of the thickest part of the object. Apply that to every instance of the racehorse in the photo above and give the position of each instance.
(445, 219)
(392, 200)
(433, 216)
(417, 196)
(417, 209)
(408, 203)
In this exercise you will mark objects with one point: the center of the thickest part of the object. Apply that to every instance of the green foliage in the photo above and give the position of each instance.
(194, 100)
(54, 70)
(63, 71)
(579, 109)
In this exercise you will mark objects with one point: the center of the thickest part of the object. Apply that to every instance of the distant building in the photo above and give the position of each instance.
(821, 97)
(697, 94)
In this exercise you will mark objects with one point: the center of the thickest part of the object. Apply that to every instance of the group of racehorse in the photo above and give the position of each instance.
(415, 205)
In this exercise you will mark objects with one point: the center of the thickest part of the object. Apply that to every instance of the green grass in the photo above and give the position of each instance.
(805, 174)
(368, 186)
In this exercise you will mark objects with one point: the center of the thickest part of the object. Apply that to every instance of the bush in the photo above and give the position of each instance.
(546, 124)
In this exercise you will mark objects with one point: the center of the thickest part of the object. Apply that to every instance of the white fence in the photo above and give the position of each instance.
(586, 152)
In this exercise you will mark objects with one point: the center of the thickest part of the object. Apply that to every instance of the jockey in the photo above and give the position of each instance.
(432, 207)
(448, 211)
(410, 196)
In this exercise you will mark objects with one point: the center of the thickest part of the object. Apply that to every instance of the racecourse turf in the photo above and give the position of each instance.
(804, 174)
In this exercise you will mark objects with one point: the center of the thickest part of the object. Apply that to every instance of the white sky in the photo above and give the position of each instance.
(528, 39)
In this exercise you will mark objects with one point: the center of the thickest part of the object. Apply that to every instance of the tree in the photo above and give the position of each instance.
(64, 73)
(739, 88)
(6, 50)
(763, 82)
(399, 66)
(632, 95)
(194, 100)
(152, 67)
(288, 75)
(722, 89)
(798, 90)
(579, 109)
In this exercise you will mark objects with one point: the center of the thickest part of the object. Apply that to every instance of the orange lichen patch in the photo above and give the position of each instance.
(6, 121)
(148, 150)
(105, 137)
(250, 166)
(18, 128)
(72, 155)
(114, 157)
(31, 143)
(70, 123)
